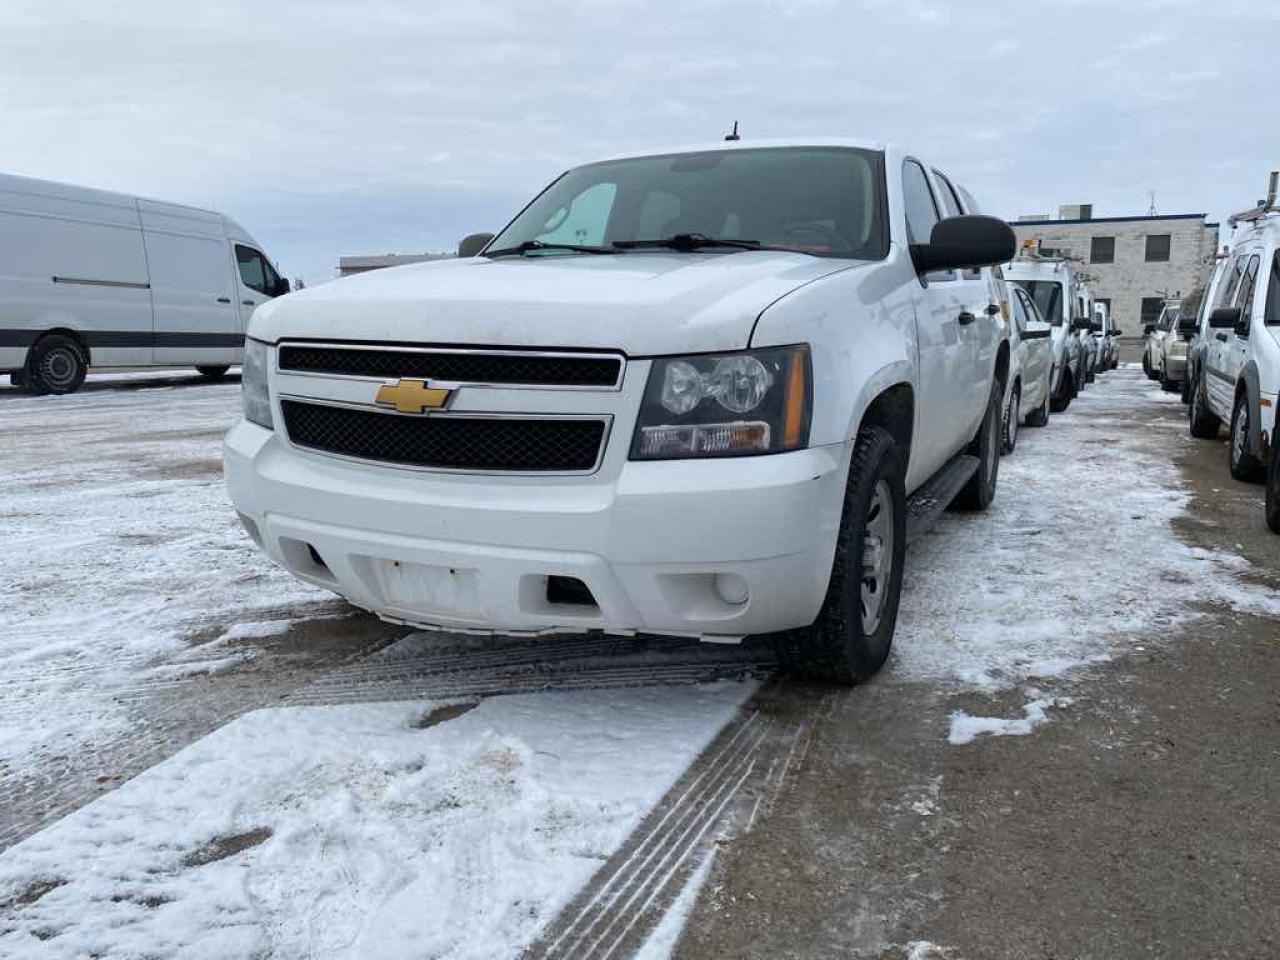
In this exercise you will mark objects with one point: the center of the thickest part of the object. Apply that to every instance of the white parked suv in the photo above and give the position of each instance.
(1153, 349)
(1051, 283)
(1031, 368)
(684, 393)
(1238, 370)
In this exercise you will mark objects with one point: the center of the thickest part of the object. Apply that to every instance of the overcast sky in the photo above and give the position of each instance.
(358, 127)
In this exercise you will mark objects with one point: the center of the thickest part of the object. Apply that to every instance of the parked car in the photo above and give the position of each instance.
(1030, 370)
(91, 277)
(1239, 371)
(1083, 321)
(1153, 349)
(1050, 282)
(1195, 326)
(681, 393)
(1105, 332)
(1175, 346)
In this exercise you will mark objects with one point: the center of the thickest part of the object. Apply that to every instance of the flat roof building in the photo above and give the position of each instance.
(1130, 263)
(348, 266)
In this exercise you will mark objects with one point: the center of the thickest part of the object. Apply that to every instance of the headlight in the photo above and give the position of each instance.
(253, 383)
(725, 405)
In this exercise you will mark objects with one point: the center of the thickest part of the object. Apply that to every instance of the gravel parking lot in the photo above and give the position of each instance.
(1072, 752)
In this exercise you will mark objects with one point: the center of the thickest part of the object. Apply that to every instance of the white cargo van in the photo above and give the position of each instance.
(92, 277)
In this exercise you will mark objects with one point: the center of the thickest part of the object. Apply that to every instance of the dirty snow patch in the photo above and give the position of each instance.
(349, 832)
(965, 728)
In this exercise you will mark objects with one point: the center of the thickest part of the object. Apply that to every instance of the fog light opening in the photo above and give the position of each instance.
(732, 589)
(569, 591)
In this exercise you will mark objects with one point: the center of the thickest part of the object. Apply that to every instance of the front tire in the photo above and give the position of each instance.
(851, 637)
(1066, 390)
(1146, 367)
(978, 493)
(1040, 416)
(1245, 465)
(1204, 423)
(57, 364)
(1273, 486)
(1009, 428)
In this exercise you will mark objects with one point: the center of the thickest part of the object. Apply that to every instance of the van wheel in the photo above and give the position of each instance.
(213, 373)
(1204, 424)
(1066, 390)
(1009, 428)
(1273, 486)
(56, 364)
(1040, 416)
(850, 639)
(1245, 464)
(1146, 367)
(978, 493)
(1185, 388)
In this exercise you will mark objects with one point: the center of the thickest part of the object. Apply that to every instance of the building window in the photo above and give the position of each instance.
(1157, 247)
(1151, 307)
(1102, 250)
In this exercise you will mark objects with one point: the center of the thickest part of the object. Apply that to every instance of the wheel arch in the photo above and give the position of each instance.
(893, 408)
(70, 334)
(1248, 385)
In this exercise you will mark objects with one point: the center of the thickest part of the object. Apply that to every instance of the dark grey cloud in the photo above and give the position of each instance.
(339, 128)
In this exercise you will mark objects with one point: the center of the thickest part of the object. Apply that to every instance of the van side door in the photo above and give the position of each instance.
(191, 287)
(1037, 348)
(1219, 387)
(943, 368)
(1236, 351)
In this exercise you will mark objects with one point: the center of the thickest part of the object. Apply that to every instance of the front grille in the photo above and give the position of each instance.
(445, 442)
(518, 369)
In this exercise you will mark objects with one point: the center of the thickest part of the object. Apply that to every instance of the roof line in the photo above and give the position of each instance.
(1162, 216)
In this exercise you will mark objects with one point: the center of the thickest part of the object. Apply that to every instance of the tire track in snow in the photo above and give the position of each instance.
(718, 799)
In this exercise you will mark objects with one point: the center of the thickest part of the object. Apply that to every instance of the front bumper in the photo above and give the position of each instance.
(666, 547)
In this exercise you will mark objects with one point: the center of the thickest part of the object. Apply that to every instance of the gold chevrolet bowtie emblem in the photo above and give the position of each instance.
(412, 396)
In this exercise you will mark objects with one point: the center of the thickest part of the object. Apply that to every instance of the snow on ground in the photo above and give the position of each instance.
(359, 831)
(119, 545)
(1076, 557)
(965, 728)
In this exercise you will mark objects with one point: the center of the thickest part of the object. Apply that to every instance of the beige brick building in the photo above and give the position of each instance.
(1132, 263)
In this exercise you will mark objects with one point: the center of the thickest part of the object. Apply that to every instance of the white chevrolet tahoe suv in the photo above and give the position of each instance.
(685, 393)
(1238, 370)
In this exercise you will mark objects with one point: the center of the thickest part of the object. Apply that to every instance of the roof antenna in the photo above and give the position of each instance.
(734, 134)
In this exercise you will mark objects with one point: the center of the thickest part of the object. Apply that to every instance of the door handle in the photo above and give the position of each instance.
(224, 299)
(993, 309)
(247, 303)
(1220, 336)
(967, 318)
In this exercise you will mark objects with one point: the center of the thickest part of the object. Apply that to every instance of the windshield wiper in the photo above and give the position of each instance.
(521, 249)
(688, 242)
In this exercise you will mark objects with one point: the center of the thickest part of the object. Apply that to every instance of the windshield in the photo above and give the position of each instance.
(1047, 296)
(1167, 319)
(822, 201)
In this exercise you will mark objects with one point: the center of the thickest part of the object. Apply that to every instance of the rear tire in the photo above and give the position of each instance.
(214, 372)
(850, 639)
(1185, 390)
(1169, 386)
(978, 493)
(1009, 427)
(1146, 367)
(57, 364)
(1245, 465)
(1066, 390)
(1204, 424)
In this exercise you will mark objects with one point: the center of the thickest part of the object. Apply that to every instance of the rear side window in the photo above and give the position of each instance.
(1227, 291)
(1248, 280)
(1019, 313)
(922, 211)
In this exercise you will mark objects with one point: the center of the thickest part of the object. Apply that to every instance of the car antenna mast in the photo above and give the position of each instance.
(733, 134)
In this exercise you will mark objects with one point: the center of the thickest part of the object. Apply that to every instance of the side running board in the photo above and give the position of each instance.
(926, 504)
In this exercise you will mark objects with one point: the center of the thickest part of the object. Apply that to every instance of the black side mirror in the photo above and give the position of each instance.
(1224, 317)
(1055, 322)
(1117, 332)
(969, 241)
(1242, 328)
(1080, 323)
(1187, 325)
(473, 243)
(1095, 327)
(282, 287)
(1148, 329)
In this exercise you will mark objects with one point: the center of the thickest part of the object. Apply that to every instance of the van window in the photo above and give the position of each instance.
(950, 202)
(1272, 315)
(1019, 312)
(1046, 295)
(1227, 289)
(1248, 280)
(253, 269)
(922, 211)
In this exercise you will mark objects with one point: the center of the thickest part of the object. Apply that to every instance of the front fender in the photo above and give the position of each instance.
(1253, 394)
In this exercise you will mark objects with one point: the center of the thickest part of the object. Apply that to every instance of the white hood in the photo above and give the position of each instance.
(642, 303)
